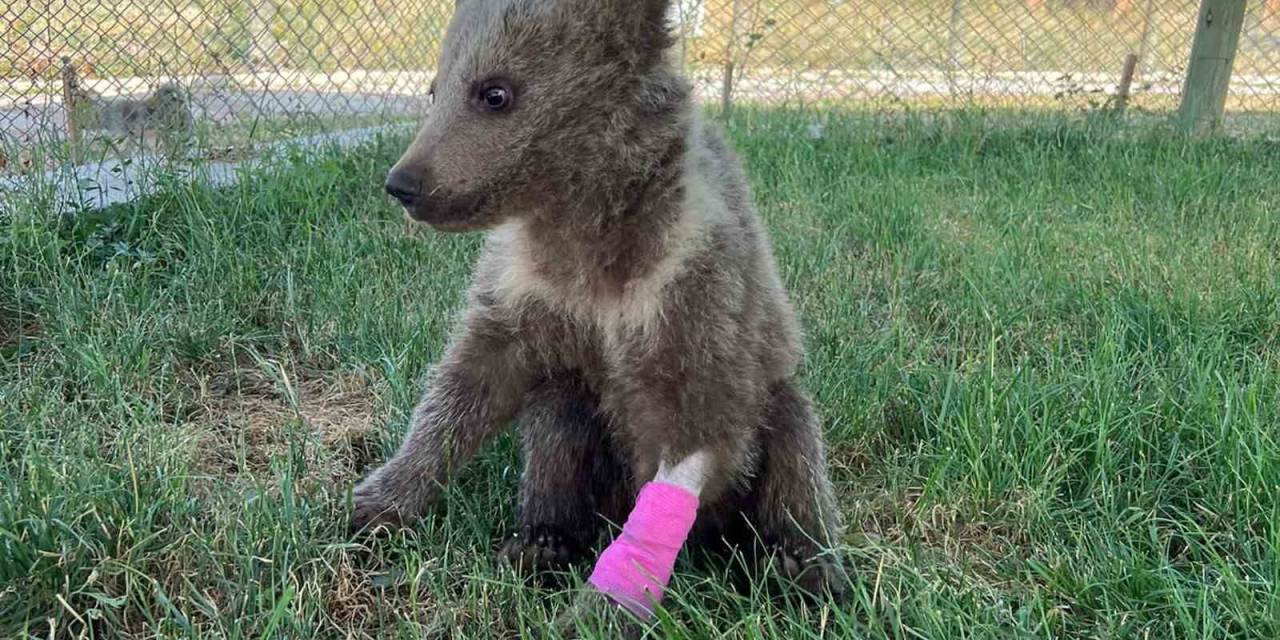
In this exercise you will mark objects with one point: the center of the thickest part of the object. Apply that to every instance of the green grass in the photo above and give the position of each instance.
(1047, 355)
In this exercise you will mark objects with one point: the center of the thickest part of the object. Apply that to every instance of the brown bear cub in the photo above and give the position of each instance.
(627, 309)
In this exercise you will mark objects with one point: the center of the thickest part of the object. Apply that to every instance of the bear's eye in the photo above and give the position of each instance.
(495, 97)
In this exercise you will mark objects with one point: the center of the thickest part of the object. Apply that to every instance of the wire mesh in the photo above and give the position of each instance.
(257, 70)
(1023, 54)
(248, 72)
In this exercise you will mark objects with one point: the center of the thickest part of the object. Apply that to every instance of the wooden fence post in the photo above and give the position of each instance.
(1213, 54)
(730, 50)
(1126, 83)
(72, 106)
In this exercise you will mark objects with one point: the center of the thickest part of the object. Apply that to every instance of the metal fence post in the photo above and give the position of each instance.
(955, 37)
(1148, 22)
(1213, 54)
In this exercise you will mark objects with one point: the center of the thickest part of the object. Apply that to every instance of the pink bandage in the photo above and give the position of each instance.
(635, 569)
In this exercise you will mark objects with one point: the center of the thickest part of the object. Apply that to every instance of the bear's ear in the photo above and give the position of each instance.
(638, 27)
(647, 22)
(657, 9)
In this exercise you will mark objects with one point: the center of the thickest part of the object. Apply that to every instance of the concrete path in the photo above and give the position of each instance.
(97, 185)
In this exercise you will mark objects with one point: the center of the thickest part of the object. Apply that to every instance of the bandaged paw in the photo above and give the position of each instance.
(635, 569)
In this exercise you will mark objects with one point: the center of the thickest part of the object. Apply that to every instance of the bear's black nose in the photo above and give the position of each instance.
(403, 187)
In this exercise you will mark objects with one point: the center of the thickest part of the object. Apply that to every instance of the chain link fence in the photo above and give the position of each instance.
(1025, 54)
(79, 79)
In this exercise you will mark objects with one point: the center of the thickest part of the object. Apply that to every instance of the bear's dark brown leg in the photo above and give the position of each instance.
(791, 507)
(570, 477)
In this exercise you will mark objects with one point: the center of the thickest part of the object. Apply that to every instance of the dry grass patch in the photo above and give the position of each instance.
(246, 421)
(957, 538)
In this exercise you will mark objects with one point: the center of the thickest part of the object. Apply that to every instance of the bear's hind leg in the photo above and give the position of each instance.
(791, 508)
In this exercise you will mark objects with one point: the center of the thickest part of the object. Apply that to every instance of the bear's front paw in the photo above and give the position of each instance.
(537, 549)
(371, 507)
